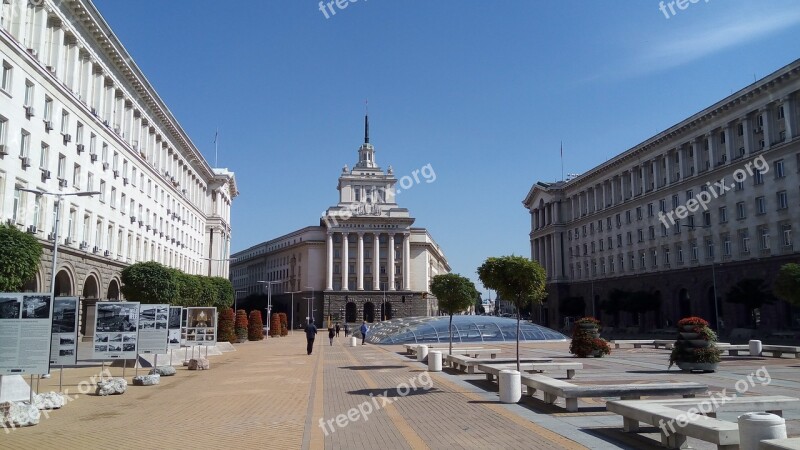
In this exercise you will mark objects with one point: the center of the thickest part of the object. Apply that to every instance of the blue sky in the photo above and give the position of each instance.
(483, 91)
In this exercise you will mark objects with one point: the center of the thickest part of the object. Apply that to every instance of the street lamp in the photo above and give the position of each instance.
(59, 196)
(713, 276)
(269, 301)
(291, 313)
(383, 305)
(310, 304)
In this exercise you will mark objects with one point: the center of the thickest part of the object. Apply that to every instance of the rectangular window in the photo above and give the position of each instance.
(741, 210)
(3, 130)
(740, 185)
(709, 248)
(44, 157)
(28, 93)
(16, 215)
(726, 245)
(89, 181)
(783, 200)
(662, 205)
(5, 79)
(675, 201)
(113, 201)
(650, 211)
(638, 213)
(689, 195)
(695, 250)
(79, 133)
(723, 214)
(628, 216)
(652, 232)
(76, 177)
(758, 177)
(679, 251)
(48, 109)
(744, 240)
(779, 169)
(24, 144)
(62, 167)
(64, 122)
(102, 191)
(707, 218)
(786, 232)
(761, 205)
(764, 238)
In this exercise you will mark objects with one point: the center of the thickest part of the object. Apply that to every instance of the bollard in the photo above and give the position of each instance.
(755, 348)
(757, 426)
(422, 353)
(435, 361)
(510, 386)
(353, 341)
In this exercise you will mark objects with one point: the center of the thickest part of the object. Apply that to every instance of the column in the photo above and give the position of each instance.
(681, 173)
(713, 157)
(697, 159)
(57, 47)
(790, 117)
(547, 256)
(605, 195)
(613, 190)
(360, 262)
(390, 261)
(376, 268)
(642, 178)
(557, 237)
(633, 181)
(767, 118)
(730, 148)
(748, 135)
(345, 262)
(407, 261)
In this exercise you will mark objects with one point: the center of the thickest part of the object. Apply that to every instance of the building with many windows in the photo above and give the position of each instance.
(364, 261)
(689, 212)
(77, 114)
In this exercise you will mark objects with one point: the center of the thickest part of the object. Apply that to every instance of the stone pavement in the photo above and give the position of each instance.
(270, 394)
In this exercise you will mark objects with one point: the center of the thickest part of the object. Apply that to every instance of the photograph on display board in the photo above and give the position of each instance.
(10, 308)
(174, 336)
(175, 317)
(36, 307)
(117, 317)
(201, 317)
(66, 352)
(64, 313)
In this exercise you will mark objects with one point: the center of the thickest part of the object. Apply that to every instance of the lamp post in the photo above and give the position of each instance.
(59, 196)
(269, 301)
(383, 304)
(310, 304)
(713, 277)
(291, 313)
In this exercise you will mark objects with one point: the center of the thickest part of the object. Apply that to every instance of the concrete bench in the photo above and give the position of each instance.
(774, 404)
(468, 364)
(667, 344)
(733, 350)
(412, 348)
(444, 350)
(637, 343)
(553, 389)
(778, 350)
(724, 434)
(780, 444)
(493, 370)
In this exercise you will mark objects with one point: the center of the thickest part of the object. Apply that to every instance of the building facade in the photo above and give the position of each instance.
(685, 215)
(78, 115)
(364, 261)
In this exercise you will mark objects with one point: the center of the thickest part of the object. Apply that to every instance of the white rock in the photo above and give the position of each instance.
(164, 371)
(199, 364)
(146, 380)
(49, 400)
(18, 414)
(114, 386)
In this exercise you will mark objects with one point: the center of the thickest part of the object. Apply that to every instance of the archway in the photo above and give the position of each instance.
(90, 289)
(350, 313)
(369, 312)
(684, 304)
(63, 284)
(386, 311)
(31, 285)
(113, 290)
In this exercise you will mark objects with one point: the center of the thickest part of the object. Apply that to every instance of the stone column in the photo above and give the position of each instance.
(681, 164)
(790, 117)
(767, 118)
(713, 156)
(391, 258)
(376, 268)
(360, 262)
(643, 177)
(407, 261)
(557, 255)
(345, 262)
(748, 135)
(613, 190)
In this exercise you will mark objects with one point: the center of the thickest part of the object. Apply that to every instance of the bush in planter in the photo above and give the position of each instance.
(255, 330)
(275, 325)
(695, 348)
(586, 339)
(240, 326)
(226, 327)
(284, 324)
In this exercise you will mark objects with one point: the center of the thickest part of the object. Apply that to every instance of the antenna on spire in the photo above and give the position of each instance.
(366, 121)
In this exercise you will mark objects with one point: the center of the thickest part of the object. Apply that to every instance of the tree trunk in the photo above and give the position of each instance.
(451, 333)
(518, 316)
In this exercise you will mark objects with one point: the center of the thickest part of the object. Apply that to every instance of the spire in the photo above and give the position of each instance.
(366, 129)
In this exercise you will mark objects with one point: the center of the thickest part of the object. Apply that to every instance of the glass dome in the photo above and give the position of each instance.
(412, 330)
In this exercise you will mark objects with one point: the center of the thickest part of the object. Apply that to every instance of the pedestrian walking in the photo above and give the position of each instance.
(331, 334)
(311, 333)
(337, 329)
(364, 330)
(346, 329)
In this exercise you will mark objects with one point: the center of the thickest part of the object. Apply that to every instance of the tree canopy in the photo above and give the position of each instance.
(19, 258)
(787, 284)
(454, 293)
(151, 282)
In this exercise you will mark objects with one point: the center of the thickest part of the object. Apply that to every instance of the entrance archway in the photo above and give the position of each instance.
(684, 304)
(63, 284)
(369, 312)
(350, 313)
(113, 290)
(90, 289)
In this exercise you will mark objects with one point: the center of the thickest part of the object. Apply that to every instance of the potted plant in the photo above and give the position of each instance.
(586, 339)
(226, 330)
(241, 326)
(284, 324)
(255, 329)
(275, 325)
(695, 348)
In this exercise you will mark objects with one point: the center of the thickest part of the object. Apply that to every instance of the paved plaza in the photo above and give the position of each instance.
(270, 394)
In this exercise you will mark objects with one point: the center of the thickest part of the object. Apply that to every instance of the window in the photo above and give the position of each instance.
(710, 248)
(89, 181)
(630, 238)
(48, 109)
(761, 205)
(62, 167)
(779, 169)
(726, 245)
(723, 214)
(764, 232)
(652, 232)
(102, 191)
(5, 80)
(133, 176)
(28, 93)
(3, 129)
(744, 240)
(64, 122)
(44, 156)
(665, 251)
(677, 227)
(619, 218)
(758, 177)
(132, 208)
(707, 218)
(79, 133)
(650, 210)
(690, 222)
(642, 264)
(17, 206)
(115, 161)
(675, 201)
(740, 129)
(663, 230)
(662, 205)
(740, 185)
(113, 201)
(695, 250)
(786, 232)
(689, 195)
(679, 251)
(76, 177)
(628, 216)
(783, 201)
(24, 144)
(619, 240)
(741, 210)
(638, 213)
(722, 137)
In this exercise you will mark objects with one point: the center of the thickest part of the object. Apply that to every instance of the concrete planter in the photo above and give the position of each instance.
(697, 367)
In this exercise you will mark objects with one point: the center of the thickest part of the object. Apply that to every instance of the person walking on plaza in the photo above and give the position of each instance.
(364, 330)
(331, 334)
(346, 329)
(337, 329)
(311, 333)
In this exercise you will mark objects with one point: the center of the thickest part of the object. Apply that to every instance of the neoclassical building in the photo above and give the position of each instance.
(685, 214)
(76, 115)
(364, 261)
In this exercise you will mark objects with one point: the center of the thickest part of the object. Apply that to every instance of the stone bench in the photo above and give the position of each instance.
(667, 344)
(637, 343)
(460, 350)
(553, 389)
(493, 370)
(774, 404)
(780, 444)
(467, 364)
(778, 350)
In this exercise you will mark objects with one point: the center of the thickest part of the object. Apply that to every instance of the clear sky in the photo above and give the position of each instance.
(483, 91)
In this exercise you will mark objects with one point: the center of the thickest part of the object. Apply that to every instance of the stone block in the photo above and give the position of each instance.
(199, 364)
(113, 386)
(18, 414)
(164, 371)
(49, 400)
(146, 380)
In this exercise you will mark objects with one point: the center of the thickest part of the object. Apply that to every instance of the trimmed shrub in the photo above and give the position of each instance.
(586, 339)
(225, 326)
(241, 325)
(275, 325)
(284, 324)
(255, 330)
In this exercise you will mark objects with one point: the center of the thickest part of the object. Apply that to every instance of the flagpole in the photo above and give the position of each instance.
(216, 145)
(562, 160)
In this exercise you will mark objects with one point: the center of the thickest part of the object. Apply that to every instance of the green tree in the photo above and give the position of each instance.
(454, 293)
(753, 294)
(224, 292)
(208, 291)
(516, 279)
(149, 282)
(188, 289)
(19, 258)
(787, 284)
